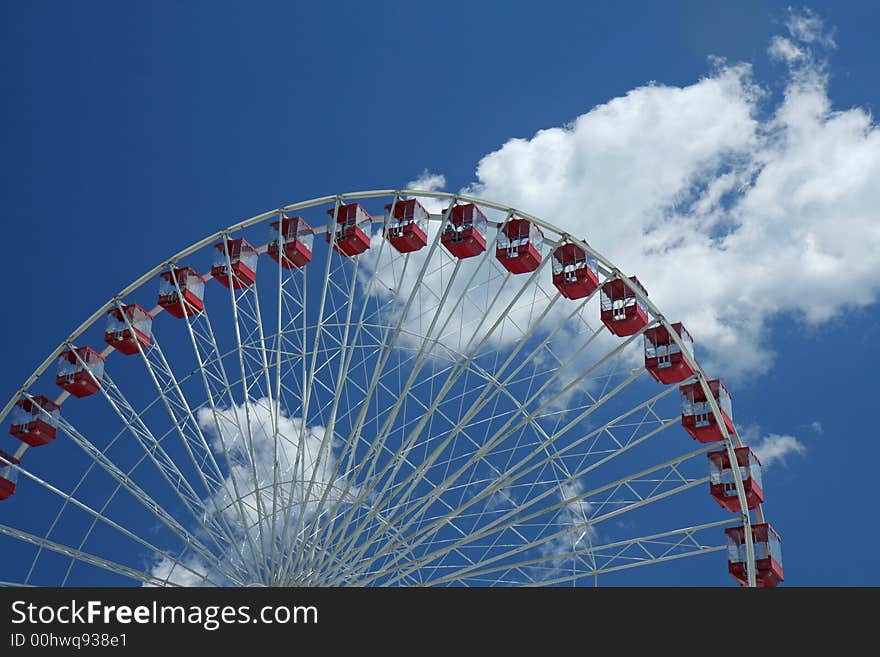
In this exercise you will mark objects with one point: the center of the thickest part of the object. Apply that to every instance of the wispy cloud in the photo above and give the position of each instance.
(775, 448)
(269, 486)
(570, 521)
(806, 25)
(785, 50)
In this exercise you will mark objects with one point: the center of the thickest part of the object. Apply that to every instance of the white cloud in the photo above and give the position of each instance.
(571, 517)
(805, 25)
(306, 464)
(188, 572)
(307, 470)
(427, 181)
(817, 427)
(731, 211)
(783, 49)
(774, 448)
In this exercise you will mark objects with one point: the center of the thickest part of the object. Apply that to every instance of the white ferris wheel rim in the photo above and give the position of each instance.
(605, 266)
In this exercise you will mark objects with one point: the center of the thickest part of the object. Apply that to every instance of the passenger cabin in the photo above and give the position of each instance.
(182, 292)
(622, 311)
(519, 246)
(407, 225)
(80, 371)
(8, 475)
(35, 420)
(575, 273)
(664, 359)
(241, 256)
(768, 555)
(464, 235)
(293, 237)
(351, 236)
(722, 485)
(128, 329)
(696, 411)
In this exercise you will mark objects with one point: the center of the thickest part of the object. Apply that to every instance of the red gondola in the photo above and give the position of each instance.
(721, 482)
(125, 339)
(35, 420)
(241, 256)
(407, 230)
(663, 357)
(465, 233)
(768, 555)
(8, 475)
(518, 246)
(351, 235)
(80, 371)
(191, 286)
(296, 237)
(575, 273)
(622, 311)
(696, 412)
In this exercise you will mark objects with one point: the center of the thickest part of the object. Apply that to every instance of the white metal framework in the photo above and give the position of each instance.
(383, 419)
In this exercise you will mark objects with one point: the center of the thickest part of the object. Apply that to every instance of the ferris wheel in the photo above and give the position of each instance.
(449, 392)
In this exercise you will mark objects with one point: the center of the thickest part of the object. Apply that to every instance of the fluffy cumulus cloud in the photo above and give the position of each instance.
(772, 448)
(306, 463)
(272, 489)
(732, 207)
(775, 448)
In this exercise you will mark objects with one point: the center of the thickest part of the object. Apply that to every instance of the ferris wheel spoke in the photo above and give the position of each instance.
(413, 466)
(156, 454)
(462, 364)
(506, 430)
(191, 437)
(347, 450)
(345, 354)
(478, 404)
(432, 485)
(100, 517)
(519, 471)
(636, 564)
(484, 398)
(388, 342)
(182, 419)
(575, 526)
(92, 465)
(281, 306)
(309, 365)
(68, 497)
(147, 502)
(509, 479)
(216, 564)
(216, 385)
(240, 317)
(135, 426)
(85, 557)
(653, 549)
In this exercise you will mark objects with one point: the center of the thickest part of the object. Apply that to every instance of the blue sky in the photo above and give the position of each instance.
(131, 131)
